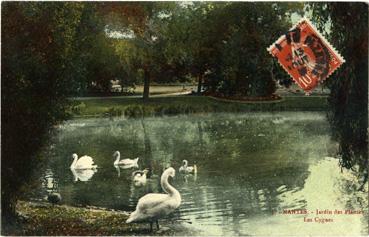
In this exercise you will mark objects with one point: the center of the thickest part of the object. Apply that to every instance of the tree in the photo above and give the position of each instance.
(145, 21)
(82, 55)
(94, 55)
(348, 100)
(223, 44)
(248, 30)
(103, 66)
(189, 40)
(125, 49)
(38, 40)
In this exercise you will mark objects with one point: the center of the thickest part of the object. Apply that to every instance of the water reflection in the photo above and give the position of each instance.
(189, 177)
(50, 183)
(137, 191)
(117, 168)
(83, 175)
(323, 190)
(129, 166)
(250, 167)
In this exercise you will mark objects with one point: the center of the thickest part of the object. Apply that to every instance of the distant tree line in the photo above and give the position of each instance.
(219, 46)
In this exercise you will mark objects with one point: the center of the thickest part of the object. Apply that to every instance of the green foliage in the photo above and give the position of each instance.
(50, 50)
(143, 51)
(114, 112)
(249, 30)
(77, 108)
(221, 44)
(226, 43)
(94, 56)
(38, 43)
(157, 106)
(349, 85)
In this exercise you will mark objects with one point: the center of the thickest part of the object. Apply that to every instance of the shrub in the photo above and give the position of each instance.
(111, 112)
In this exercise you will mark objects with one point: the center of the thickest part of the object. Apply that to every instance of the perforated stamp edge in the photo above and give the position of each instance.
(324, 40)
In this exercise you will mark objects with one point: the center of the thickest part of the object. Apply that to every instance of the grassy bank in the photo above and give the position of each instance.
(135, 107)
(44, 219)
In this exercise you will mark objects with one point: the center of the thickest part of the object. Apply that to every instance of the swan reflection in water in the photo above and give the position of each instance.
(189, 177)
(140, 177)
(118, 167)
(154, 206)
(129, 166)
(137, 191)
(83, 175)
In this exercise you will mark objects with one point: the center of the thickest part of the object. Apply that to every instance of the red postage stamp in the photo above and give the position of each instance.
(306, 55)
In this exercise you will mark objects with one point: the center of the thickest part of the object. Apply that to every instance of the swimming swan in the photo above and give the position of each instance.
(85, 162)
(140, 177)
(125, 162)
(153, 206)
(187, 169)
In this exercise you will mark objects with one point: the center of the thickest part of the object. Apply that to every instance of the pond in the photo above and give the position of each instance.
(252, 169)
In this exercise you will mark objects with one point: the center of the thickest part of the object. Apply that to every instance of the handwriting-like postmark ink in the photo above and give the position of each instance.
(306, 55)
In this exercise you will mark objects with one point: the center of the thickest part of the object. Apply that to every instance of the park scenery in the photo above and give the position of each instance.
(184, 118)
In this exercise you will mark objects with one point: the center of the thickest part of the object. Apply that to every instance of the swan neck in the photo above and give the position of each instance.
(167, 187)
(117, 159)
(74, 175)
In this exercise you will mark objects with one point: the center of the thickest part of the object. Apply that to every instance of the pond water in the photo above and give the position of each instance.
(251, 168)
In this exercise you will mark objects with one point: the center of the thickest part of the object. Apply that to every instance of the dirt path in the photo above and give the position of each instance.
(134, 96)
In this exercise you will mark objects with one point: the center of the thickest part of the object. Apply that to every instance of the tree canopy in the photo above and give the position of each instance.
(348, 115)
(38, 41)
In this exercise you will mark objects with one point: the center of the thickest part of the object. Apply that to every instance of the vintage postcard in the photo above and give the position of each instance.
(184, 118)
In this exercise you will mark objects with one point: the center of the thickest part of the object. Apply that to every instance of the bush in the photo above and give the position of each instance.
(133, 111)
(78, 108)
(111, 112)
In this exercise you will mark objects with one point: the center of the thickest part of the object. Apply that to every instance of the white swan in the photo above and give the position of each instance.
(84, 162)
(153, 206)
(140, 177)
(126, 163)
(187, 169)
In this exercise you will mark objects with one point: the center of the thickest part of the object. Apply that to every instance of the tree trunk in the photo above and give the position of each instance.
(271, 72)
(201, 135)
(147, 143)
(8, 213)
(146, 91)
(199, 85)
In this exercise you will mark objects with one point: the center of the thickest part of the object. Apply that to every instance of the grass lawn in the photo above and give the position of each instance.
(170, 105)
